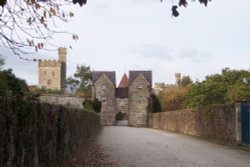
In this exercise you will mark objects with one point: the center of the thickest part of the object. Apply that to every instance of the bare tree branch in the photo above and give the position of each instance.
(29, 25)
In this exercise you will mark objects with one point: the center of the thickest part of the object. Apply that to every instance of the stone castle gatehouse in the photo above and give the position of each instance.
(130, 97)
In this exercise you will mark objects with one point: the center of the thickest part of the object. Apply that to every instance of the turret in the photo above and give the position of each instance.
(177, 78)
(62, 53)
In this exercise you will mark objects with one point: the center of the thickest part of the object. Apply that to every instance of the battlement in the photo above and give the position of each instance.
(159, 85)
(50, 63)
(52, 73)
(169, 85)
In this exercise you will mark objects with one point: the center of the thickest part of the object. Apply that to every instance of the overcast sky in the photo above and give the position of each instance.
(141, 35)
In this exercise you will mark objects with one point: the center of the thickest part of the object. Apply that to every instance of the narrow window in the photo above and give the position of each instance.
(49, 82)
(104, 99)
(140, 86)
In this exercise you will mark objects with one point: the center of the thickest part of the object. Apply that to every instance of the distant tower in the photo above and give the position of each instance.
(158, 87)
(178, 79)
(62, 57)
(62, 53)
(52, 73)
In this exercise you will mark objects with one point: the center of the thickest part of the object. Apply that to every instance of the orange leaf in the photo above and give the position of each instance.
(37, 6)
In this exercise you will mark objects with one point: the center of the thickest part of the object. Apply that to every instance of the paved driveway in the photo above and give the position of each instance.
(142, 147)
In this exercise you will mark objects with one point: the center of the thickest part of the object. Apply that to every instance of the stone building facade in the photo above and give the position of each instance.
(140, 86)
(130, 97)
(104, 90)
(52, 73)
(121, 95)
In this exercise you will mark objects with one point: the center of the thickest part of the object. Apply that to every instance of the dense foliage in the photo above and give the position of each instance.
(1, 62)
(120, 116)
(173, 98)
(11, 85)
(185, 81)
(38, 134)
(81, 81)
(48, 91)
(230, 86)
(154, 104)
(92, 105)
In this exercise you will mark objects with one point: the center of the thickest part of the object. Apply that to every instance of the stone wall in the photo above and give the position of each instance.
(72, 101)
(218, 122)
(122, 106)
(36, 134)
(139, 92)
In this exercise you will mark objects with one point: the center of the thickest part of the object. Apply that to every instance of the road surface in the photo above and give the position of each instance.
(143, 147)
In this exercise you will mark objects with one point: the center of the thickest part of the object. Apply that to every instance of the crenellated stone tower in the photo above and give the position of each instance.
(52, 73)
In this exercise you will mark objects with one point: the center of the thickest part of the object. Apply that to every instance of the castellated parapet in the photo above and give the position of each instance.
(50, 63)
(52, 73)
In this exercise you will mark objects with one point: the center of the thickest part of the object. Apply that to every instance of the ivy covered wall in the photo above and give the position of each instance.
(36, 134)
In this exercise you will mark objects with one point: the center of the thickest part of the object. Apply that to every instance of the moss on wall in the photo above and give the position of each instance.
(38, 134)
(214, 122)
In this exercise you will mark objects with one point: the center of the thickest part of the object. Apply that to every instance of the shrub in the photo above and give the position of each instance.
(153, 104)
(120, 116)
(95, 105)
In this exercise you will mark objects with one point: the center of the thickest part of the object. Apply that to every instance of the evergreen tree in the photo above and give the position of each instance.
(82, 80)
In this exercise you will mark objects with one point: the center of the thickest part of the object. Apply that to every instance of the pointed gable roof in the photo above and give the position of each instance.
(124, 82)
(110, 74)
(146, 74)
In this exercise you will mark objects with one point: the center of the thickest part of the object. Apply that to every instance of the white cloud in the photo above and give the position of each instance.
(141, 34)
(153, 51)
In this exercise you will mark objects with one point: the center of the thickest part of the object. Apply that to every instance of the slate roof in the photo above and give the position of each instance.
(121, 93)
(124, 82)
(146, 74)
(110, 74)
